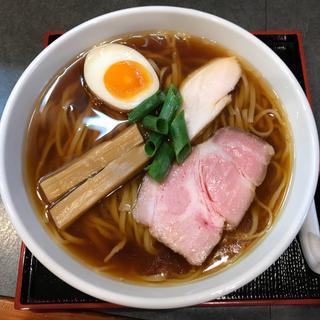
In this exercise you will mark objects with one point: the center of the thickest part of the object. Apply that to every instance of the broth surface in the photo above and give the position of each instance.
(56, 135)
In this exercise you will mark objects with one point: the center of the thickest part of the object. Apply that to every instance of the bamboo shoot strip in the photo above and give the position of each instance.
(57, 184)
(179, 137)
(107, 180)
(153, 143)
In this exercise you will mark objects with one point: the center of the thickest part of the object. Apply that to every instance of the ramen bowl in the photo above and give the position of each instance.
(18, 111)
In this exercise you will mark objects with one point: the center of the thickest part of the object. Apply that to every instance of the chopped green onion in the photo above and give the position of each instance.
(155, 124)
(153, 143)
(179, 137)
(179, 97)
(161, 164)
(172, 103)
(146, 107)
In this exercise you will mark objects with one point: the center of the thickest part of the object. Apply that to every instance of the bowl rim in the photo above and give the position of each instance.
(122, 298)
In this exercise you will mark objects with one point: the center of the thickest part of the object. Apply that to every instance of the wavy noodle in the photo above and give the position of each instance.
(110, 227)
(105, 232)
(245, 86)
(245, 118)
(238, 118)
(162, 73)
(65, 238)
(254, 223)
(252, 102)
(67, 95)
(159, 277)
(155, 67)
(276, 194)
(148, 242)
(44, 114)
(103, 223)
(71, 238)
(44, 154)
(59, 135)
(77, 136)
(265, 115)
(58, 236)
(115, 250)
(168, 81)
(79, 145)
(112, 208)
(253, 233)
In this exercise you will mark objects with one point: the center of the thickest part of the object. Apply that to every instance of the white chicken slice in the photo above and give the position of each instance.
(205, 92)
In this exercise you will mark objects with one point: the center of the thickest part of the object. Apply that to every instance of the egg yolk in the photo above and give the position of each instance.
(125, 79)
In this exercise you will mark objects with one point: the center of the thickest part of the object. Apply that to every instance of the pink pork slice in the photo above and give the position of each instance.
(178, 214)
(188, 211)
(228, 191)
(250, 154)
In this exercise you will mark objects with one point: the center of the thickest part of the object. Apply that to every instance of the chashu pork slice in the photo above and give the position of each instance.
(188, 211)
(228, 191)
(249, 153)
(178, 213)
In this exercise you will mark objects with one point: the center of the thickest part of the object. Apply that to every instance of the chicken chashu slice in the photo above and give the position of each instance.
(205, 92)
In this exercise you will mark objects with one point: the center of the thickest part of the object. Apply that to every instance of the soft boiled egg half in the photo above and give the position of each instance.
(120, 76)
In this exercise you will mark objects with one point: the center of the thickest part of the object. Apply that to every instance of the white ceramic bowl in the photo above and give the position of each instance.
(17, 115)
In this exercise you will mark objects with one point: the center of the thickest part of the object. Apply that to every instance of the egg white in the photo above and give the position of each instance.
(100, 58)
